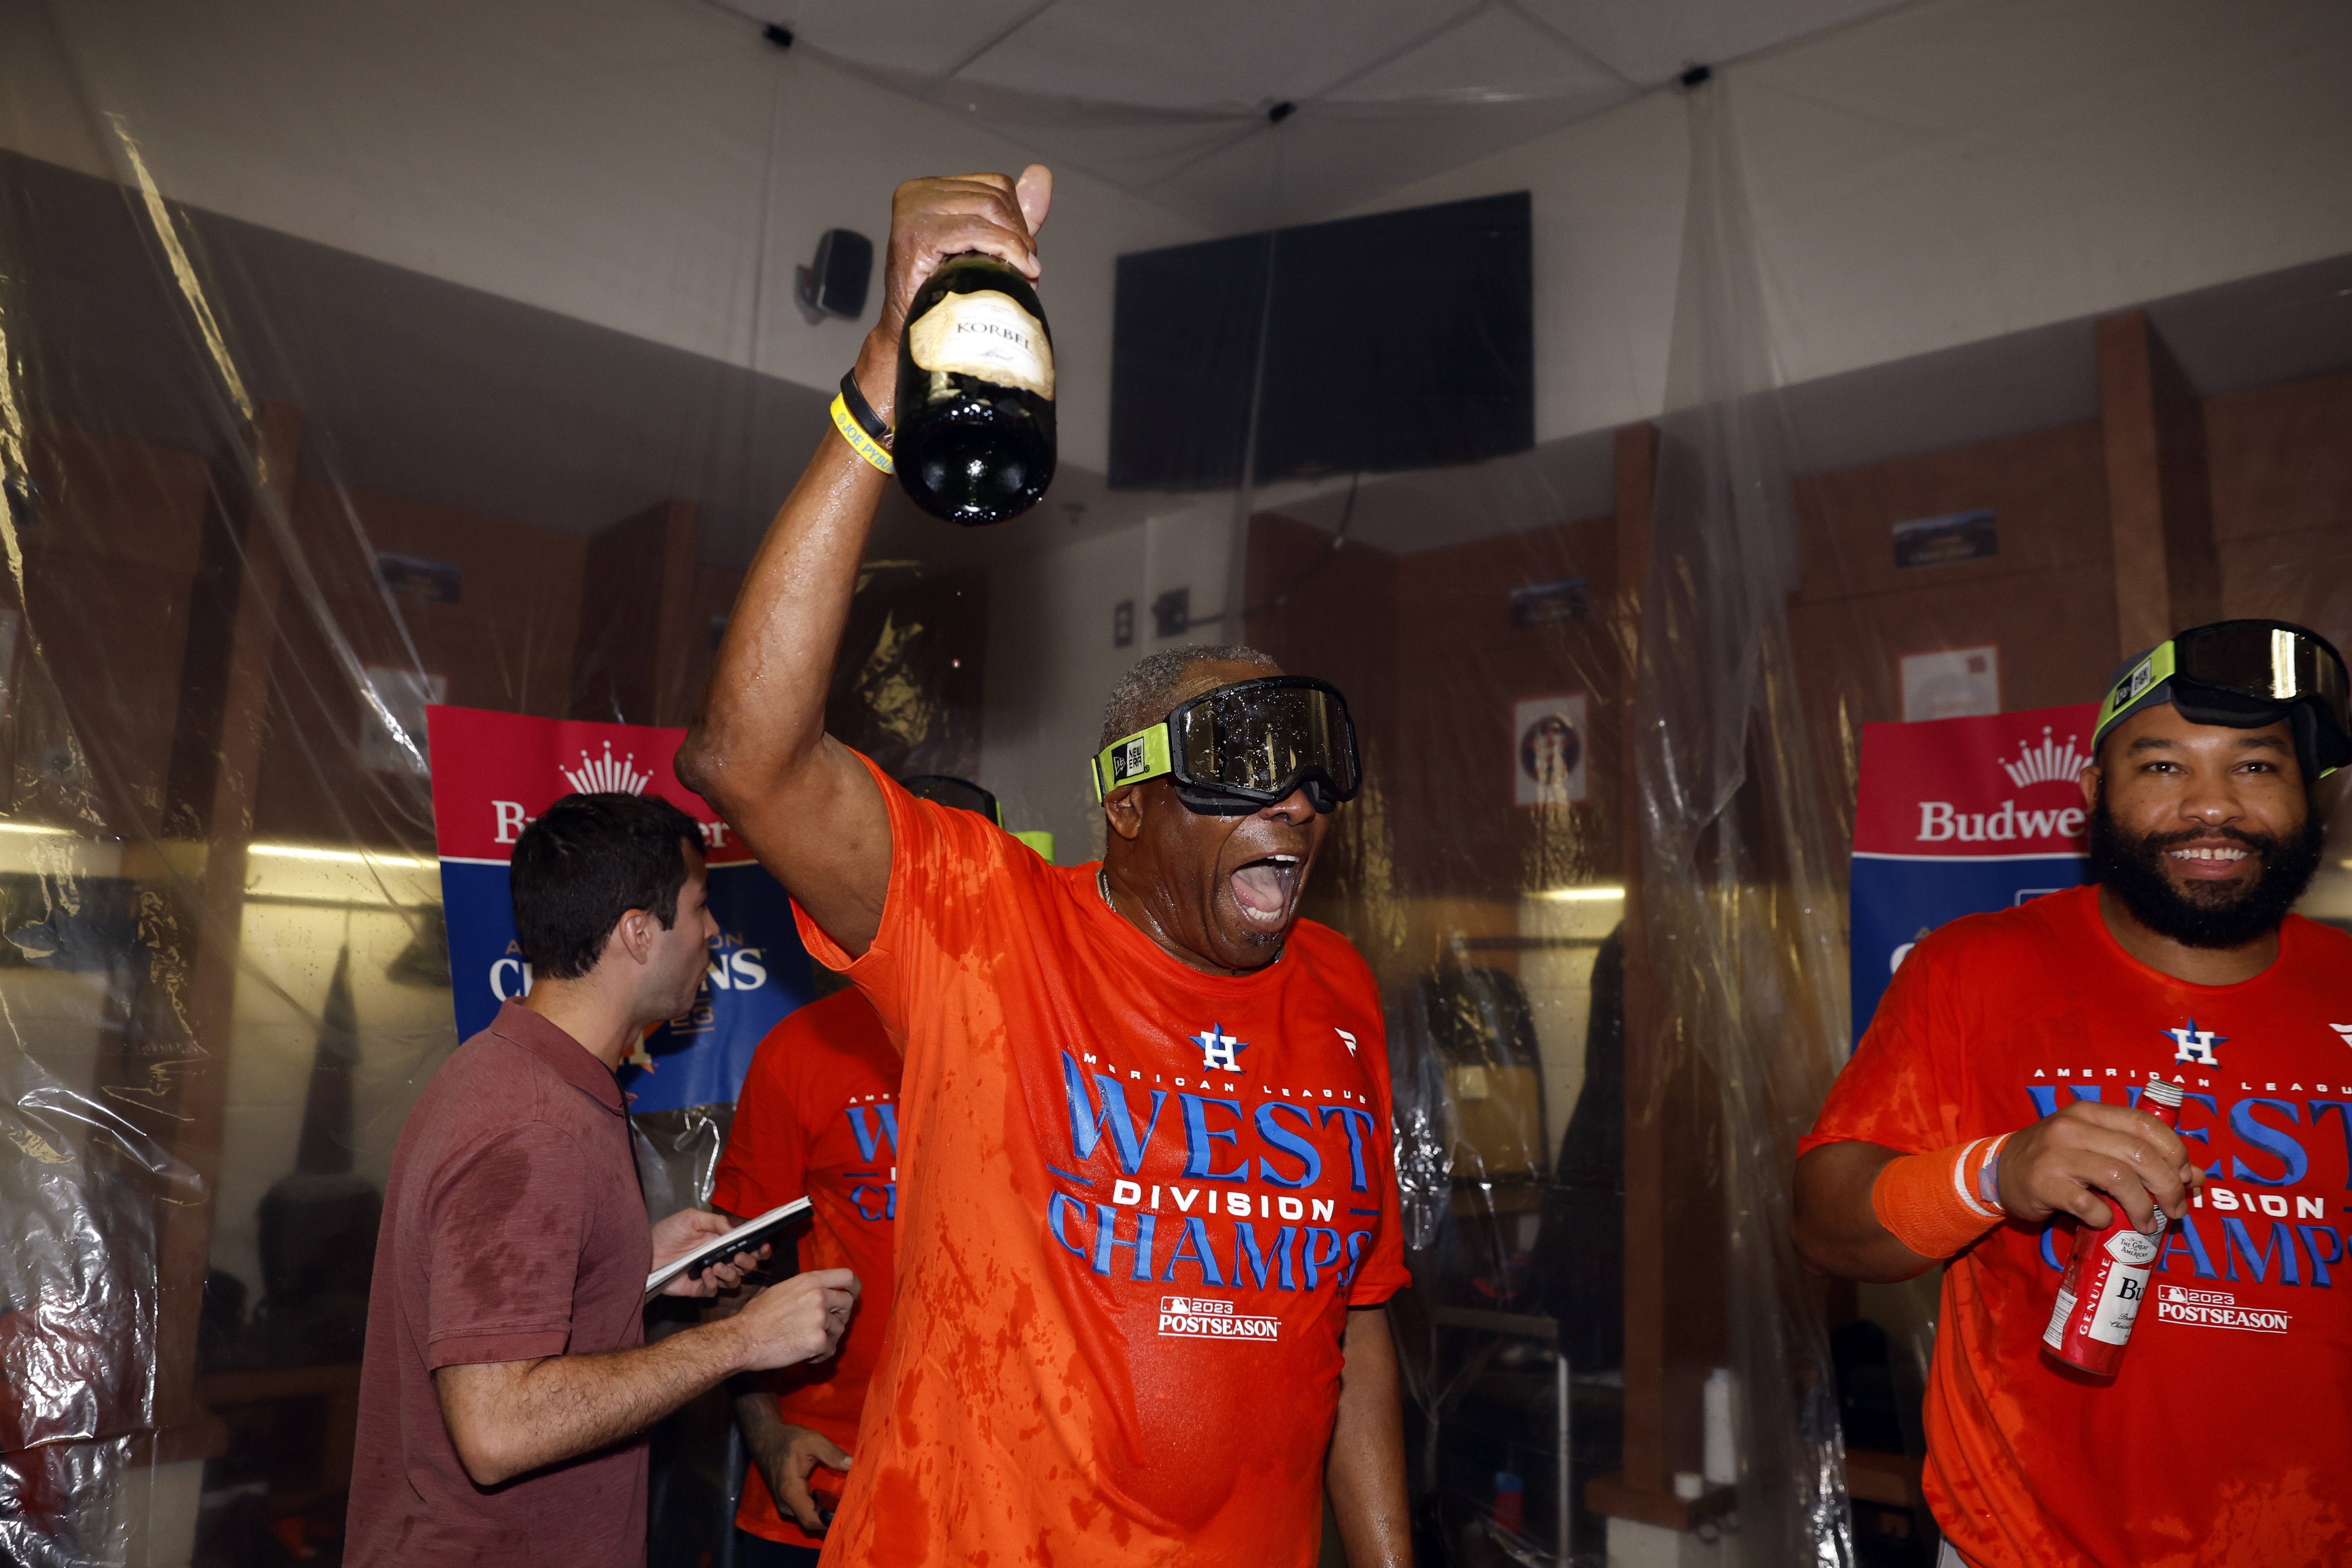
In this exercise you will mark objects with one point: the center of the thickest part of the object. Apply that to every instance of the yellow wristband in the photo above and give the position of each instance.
(862, 444)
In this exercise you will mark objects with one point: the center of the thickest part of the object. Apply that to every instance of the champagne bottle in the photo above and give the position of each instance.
(974, 440)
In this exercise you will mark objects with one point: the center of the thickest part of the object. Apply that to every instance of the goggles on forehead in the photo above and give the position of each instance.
(2244, 674)
(1244, 747)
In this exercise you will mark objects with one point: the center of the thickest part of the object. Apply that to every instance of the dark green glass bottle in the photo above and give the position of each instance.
(974, 436)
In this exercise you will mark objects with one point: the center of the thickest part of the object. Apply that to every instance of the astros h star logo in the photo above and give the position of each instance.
(2195, 1045)
(1218, 1050)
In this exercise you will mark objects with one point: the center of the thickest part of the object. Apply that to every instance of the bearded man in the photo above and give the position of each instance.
(1990, 1115)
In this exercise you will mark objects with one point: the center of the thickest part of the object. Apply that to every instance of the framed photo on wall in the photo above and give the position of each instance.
(1548, 751)
(1951, 683)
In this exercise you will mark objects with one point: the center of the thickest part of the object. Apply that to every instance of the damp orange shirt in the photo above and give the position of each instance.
(819, 1116)
(2223, 1439)
(1135, 1204)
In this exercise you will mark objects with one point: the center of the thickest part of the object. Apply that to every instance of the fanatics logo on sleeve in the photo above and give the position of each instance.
(2343, 1031)
(1205, 1318)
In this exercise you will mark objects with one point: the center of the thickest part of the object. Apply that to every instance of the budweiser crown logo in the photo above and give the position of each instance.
(2048, 763)
(605, 776)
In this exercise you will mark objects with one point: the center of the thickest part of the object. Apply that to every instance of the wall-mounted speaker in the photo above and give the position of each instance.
(834, 283)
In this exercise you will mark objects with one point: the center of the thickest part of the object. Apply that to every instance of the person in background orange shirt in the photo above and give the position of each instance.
(1146, 1196)
(819, 1115)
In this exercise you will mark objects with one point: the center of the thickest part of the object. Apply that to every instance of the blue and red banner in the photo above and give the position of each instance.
(1958, 816)
(492, 775)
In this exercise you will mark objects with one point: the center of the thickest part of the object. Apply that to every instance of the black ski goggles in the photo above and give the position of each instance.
(1244, 747)
(2244, 674)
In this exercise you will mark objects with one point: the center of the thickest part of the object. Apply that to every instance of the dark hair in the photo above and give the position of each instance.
(587, 862)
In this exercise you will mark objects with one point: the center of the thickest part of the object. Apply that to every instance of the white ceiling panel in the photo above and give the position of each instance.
(1203, 53)
(1654, 42)
(923, 38)
(1496, 55)
(1330, 157)
(1169, 100)
(1138, 158)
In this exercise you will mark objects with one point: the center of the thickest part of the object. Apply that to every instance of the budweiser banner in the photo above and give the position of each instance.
(492, 774)
(1957, 816)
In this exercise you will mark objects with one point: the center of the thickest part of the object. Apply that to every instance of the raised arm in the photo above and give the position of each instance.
(758, 751)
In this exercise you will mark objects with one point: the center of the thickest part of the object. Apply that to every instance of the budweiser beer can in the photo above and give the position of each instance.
(2108, 1278)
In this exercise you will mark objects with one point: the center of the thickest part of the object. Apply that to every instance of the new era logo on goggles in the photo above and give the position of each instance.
(2244, 674)
(1244, 747)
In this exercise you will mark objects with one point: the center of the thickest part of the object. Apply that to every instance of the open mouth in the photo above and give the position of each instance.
(1263, 887)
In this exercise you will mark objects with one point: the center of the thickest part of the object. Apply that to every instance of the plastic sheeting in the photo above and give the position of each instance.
(262, 505)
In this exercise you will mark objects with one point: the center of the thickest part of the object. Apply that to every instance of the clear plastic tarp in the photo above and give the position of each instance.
(284, 463)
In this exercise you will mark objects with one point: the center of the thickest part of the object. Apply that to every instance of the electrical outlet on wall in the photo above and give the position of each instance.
(1172, 613)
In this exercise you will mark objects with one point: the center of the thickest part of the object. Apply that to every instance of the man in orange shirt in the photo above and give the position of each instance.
(819, 1115)
(1147, 1208)
(1997, 1091)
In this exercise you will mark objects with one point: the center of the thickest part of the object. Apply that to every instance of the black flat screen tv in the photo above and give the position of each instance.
(1405, 340)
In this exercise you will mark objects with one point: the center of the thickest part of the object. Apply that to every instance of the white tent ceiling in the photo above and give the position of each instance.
(1172, 102)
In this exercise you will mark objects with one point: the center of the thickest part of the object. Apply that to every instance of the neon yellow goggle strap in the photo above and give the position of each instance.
(1132, 759)
(2147, 674)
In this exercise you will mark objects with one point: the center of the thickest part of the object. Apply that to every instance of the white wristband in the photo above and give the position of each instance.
(1988, 1176)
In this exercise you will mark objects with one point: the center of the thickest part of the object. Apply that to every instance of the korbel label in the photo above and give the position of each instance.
(984, 333)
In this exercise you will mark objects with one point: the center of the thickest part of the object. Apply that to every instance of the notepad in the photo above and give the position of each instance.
(749, 1237)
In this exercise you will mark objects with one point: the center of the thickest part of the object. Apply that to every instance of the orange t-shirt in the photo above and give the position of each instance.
(819, 1115)
(1135, 1205)
(2223, 1438)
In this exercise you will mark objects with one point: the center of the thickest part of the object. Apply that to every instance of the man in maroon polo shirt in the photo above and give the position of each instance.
(506, 1379)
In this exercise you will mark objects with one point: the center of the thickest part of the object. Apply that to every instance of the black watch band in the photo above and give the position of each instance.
(873, 424)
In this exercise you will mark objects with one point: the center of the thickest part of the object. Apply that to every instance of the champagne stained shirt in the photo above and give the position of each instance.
(2201, 1450)
(1135, 1204)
